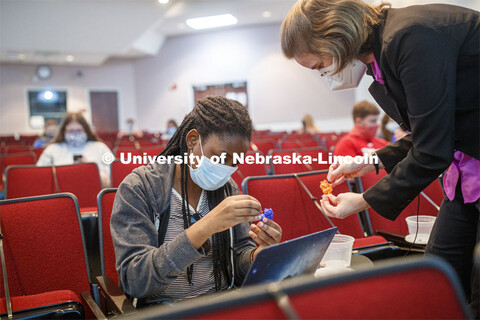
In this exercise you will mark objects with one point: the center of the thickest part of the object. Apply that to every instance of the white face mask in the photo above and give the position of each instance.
(210, 176)
(347, 78)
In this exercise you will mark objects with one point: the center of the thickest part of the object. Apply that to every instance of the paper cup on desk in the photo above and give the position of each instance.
(425, 225)
(339, 253)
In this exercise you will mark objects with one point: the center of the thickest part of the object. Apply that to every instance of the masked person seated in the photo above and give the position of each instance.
(182, 230)
(362, 138)
(51, 129)
(76, 143)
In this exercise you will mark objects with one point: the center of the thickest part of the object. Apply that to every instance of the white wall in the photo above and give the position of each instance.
(280, 91)
(16, 79)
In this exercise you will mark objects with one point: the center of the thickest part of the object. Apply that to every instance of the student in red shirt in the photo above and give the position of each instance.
(362, 138)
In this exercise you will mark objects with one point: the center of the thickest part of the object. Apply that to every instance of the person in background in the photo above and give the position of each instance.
(171, 128)
(309, 125)
(182, 230)
(76, 143)
(51, 130)
(361, 140)
(390, 130)
(425, 63)
(130, 132)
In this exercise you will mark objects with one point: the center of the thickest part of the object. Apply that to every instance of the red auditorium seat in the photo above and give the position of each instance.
(412, 289)
(131, 150)
(17, 149)
(107, 254)
(45, 253)
(249, 170)
(299, 167)
(83, 180)
(263, 145)
(434, 191)
(120, 170)
(6, 160)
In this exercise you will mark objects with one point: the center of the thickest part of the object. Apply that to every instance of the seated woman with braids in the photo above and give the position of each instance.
(173, 225)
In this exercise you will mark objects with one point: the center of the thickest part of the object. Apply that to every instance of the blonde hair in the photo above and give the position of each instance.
(308, 121)
(339, 28)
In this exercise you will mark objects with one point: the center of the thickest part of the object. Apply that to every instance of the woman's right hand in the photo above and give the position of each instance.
(338, 173)
(230, 212)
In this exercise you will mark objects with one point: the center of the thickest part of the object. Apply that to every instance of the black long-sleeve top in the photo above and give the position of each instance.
(429, 60)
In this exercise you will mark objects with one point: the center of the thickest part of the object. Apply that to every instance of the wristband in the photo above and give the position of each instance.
(252, 253)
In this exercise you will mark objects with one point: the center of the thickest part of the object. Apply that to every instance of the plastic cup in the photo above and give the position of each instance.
(339, 253)
(425, 225)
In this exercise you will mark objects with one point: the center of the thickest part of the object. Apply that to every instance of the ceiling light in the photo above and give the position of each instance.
(212, 21)
(266, 14)
(48, 95)
(163, 1)
(69, 58)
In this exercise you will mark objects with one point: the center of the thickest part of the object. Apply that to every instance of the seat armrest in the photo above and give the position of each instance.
(114, 297)
(92, 306)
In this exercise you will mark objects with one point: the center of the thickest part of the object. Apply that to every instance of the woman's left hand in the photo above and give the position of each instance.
(265, 233)
(343, 205)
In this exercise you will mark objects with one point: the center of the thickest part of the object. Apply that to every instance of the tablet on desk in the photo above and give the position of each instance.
(290, 258)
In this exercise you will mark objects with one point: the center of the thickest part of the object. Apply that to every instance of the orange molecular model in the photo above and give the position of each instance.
(326, 187)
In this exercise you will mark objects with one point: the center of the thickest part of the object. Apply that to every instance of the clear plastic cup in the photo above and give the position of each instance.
(339, 253)
(425, 225)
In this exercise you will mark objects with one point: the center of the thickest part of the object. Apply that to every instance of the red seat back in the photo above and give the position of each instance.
(120, 170)
(249, 170)
(133, 151)
(433, 191)
(286, 168)
(44, 250)
(420, 289)
(17, 149)
(294, 211)
(26, 181)
(15, 159)
(263, 145)
(83, 180)
(107, 254)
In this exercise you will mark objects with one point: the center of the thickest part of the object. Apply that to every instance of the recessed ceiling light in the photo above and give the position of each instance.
(266, 14)
(69, 58)
(212, 21)
(163, 1)
(48, 95)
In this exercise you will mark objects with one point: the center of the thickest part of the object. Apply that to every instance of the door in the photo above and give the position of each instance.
(104, 106)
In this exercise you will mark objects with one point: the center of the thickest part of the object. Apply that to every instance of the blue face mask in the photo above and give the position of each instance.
(171, 131)
(76, 139)
(210, 176)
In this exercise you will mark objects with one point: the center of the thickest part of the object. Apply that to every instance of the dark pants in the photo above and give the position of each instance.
(454, 237)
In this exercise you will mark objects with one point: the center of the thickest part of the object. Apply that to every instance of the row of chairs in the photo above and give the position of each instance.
(58, 281)
(295, 197)
(413, 289)
(83, 180)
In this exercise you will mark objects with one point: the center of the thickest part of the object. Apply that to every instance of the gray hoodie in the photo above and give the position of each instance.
(144, 267)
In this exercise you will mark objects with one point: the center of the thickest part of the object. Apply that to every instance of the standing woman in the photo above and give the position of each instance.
(425, 64)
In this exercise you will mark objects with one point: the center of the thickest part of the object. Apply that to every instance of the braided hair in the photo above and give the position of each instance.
(220, 116)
